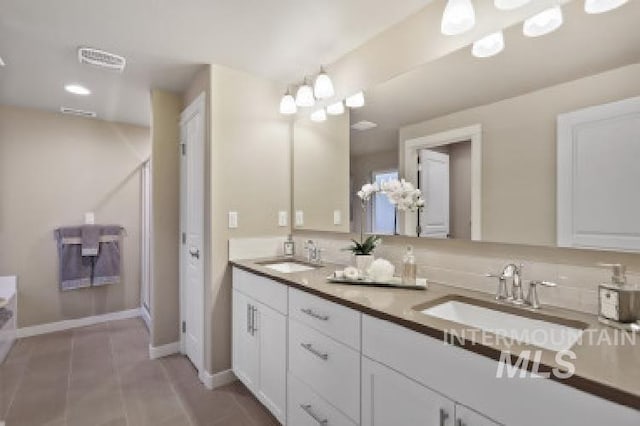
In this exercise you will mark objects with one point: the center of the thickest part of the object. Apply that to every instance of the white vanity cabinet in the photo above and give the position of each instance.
(468, 417)
(260, 339)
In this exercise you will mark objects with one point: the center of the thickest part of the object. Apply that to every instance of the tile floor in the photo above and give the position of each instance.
(101, 375)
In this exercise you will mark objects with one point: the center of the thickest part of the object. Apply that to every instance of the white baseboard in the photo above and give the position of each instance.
(212, 381)
(156, 352)
(52, 327)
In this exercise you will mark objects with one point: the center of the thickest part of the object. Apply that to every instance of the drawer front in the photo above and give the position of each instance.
(330, 368)
(339, 322)
(307, 408)
(261, 289)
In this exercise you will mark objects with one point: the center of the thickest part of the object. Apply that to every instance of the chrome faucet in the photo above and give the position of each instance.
(514, 272)
(314, 253)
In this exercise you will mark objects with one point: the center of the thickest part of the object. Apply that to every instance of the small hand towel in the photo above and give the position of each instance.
(90, 239)
(106, 269)
(75, 270)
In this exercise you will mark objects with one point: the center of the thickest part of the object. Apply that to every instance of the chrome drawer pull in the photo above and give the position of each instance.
(316, 352)
(443, 416)
(314, 416)
(315, 315)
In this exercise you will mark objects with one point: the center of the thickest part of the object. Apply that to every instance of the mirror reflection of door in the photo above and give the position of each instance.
(383, 213)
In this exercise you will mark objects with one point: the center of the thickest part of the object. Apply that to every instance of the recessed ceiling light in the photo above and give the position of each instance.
(363, 125)
(77, 89)
(1, 62)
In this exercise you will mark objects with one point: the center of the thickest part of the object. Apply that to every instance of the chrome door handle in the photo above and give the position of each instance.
(249, 322)
(307, 409)
(314, 314)
(194, 252)
(443, 416)
(310, 348)
(254, 328)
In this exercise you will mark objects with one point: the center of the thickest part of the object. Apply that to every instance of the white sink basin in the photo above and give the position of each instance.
(288, 267)
(543, 334)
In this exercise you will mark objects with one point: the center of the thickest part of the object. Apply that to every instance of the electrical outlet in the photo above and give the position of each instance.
(337, 217)
(233, 220)
(283, 220)
(299, 218)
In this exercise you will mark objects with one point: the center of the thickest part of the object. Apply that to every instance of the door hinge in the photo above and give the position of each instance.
(184, 326)
(184, 238)
(183, 148)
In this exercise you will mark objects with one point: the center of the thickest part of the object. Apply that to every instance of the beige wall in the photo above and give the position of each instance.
(321, 172)
(53, 169)
(165, 215)
(519, 151)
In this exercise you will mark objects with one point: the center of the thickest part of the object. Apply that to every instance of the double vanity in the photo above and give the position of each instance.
(317, 353)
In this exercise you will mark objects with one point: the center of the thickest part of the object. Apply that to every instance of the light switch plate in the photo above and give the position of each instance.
(337, 217)
(233, 220)
(89, 218)
(283, 220)
(299, 218)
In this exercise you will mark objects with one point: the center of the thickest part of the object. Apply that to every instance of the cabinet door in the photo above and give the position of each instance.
(389, 398)
(271, 330)
(245, 341)
(468, 417)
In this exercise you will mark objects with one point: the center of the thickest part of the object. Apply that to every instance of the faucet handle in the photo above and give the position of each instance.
(532, 296)
(502, 292)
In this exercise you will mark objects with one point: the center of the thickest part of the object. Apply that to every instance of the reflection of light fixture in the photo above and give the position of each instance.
(355, 100)
(323, 87)
(335, 109)
(288, 104)
(601, 6)
(459, 17)
(77, 89)
(509, 4)
(319, 115)
(543, 23)
(304, 96)
(489, 45)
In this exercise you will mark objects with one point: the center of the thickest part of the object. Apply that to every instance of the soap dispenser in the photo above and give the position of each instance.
(289, 247)
(409, 267)
(619, 301)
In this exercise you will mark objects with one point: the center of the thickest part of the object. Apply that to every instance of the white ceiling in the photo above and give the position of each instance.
(584, 45)
(166, 40)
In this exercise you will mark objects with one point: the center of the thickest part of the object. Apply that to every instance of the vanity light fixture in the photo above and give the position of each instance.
(543, 23)
(323, 87)
(488, 46)
(355, 101)
(509, 4)
(304, 95)
(459, 17)
(288, 104)
(601, 6)
(335, 109)
(319, 115)
(77, 89)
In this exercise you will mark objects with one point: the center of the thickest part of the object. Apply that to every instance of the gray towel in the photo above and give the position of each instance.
(90, 239)
(106, 269)
(5, 316)
(75, 270)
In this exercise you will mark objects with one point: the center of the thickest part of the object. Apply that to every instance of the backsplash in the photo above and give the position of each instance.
(464, 264)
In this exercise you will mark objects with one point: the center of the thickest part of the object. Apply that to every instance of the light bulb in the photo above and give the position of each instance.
(335, 109)
(458, 17)
(77, 89)
(489, 45)
(355, 100)
(304, 96)
(601, 6)
(323, 87)
(543, 23)
(319, 115)
(288, 104)
(509, 4)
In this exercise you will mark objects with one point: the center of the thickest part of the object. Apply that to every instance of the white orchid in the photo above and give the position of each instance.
(403, 195)
(368, 189)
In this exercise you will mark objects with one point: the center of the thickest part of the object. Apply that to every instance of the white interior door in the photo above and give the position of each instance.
(192, 238)
(434, 183)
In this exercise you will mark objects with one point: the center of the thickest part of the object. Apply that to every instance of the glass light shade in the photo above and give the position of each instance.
(601, 6)
(323, 88)
(335, 109)
(77, 89)
(509, 4)
(355, 101)
(543, 23)
(319, 115)
(288, 105)
(304, 96)
(489, 45)
(458, 17)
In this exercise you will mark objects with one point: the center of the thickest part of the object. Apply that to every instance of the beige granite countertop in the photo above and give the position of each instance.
(603, 369)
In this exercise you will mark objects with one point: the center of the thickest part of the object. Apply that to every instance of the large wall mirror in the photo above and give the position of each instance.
(537, 145)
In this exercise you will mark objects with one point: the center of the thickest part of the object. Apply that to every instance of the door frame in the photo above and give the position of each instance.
(197, 106)
(411, 147)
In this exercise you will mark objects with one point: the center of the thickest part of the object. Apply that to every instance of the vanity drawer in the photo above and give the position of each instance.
(339, 322)
(264, 290)
(307, 408)
(330, 368)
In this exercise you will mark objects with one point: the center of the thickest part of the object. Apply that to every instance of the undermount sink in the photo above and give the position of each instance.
(288, 267)
(526, 327)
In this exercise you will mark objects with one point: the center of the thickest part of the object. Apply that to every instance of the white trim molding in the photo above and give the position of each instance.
(161, 351)
(216, 380)
(52, 327)
(471, 133)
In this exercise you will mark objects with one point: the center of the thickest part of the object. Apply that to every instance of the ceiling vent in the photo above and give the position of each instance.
(102, 59)
(363, 125)
(79, 112)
